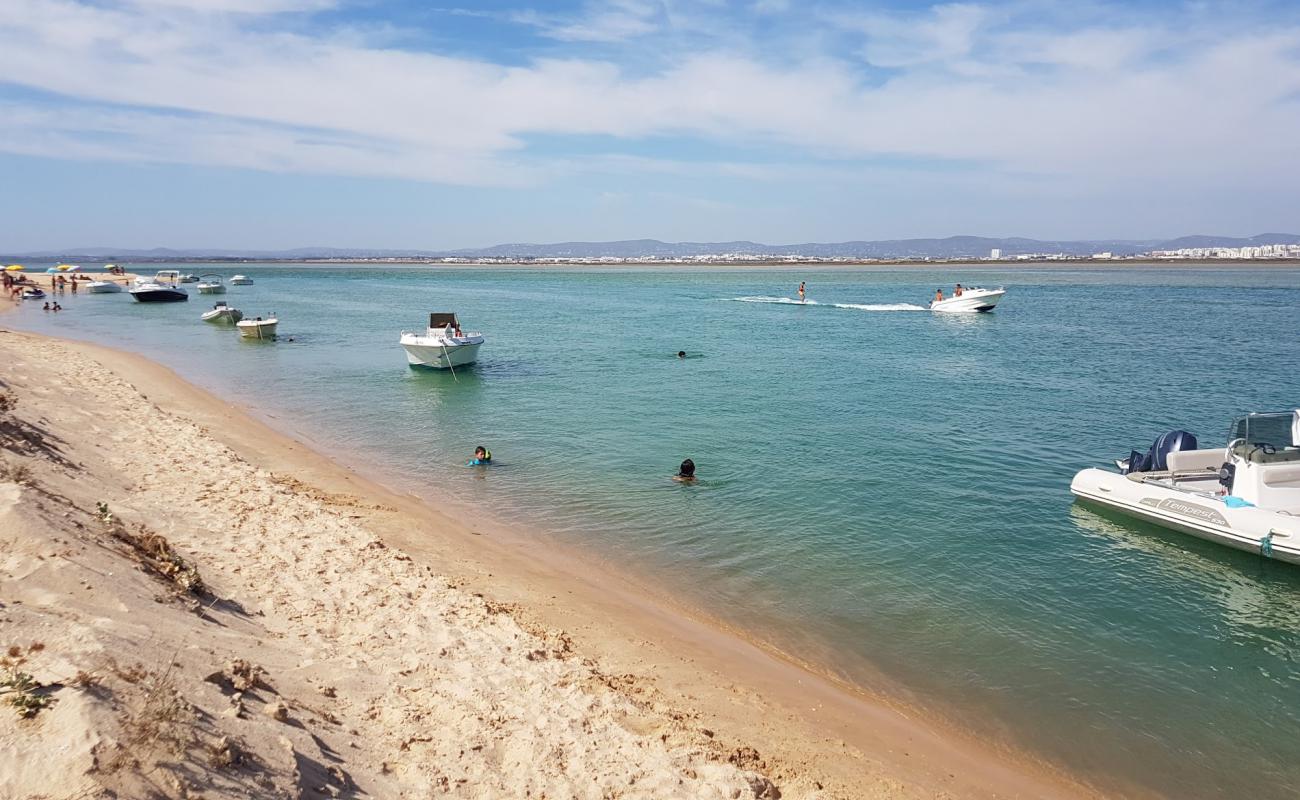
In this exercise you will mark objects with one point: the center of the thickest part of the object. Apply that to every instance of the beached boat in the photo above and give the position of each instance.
(211, 284)
(32, 293)
(257, 328)
(442, 345)
(103, 287)
(153, 292)
(971, 301)
(241, 280)
(222, 313)
(1245, 496)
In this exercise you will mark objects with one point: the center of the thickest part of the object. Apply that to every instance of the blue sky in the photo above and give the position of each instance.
(285, 123)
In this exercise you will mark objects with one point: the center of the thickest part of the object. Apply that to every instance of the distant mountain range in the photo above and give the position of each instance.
(951, 247)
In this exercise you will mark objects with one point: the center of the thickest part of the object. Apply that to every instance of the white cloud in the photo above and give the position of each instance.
(1085, 104)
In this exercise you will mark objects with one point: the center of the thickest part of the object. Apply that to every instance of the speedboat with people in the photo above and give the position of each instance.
(257, 328)
(211, 284)
(103, 287)
(155, 292)
(1245, 495)
(222, 313)
(969, 301)
(241, 280)
(442, 345)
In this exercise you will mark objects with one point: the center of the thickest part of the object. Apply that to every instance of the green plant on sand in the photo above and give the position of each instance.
(20, 690)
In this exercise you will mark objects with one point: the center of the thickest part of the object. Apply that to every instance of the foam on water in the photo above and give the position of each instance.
(789, 301)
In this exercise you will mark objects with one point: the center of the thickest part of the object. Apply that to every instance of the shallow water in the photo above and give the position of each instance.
(884, 492)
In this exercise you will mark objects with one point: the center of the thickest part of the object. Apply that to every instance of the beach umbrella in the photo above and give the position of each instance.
(73, 268)
(63, 267)
(14, 268)
(52, 269)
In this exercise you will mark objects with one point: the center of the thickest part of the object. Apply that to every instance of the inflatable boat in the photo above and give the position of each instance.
(1245, 495)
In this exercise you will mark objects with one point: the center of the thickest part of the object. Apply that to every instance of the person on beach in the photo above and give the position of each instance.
(802, 289)
(74, 284)
(482, 457)
(956, 292)
(938, 295)
(686, 472)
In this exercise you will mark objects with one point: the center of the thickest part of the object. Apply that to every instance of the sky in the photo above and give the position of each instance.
(270, 124)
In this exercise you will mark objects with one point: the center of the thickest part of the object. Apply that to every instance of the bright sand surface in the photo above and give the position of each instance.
(353, 641)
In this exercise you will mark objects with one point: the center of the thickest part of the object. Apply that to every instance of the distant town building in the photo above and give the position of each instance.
(995, 253)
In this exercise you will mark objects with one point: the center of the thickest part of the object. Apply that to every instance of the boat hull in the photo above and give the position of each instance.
(218, 288)
(240, 280)
(160, 295)
(973, 301)
(103, 287)
(438, 356)
(252, 329)
(228, 316)
(1255, 530)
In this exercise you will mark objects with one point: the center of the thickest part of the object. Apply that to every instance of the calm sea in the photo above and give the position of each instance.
(884, 490)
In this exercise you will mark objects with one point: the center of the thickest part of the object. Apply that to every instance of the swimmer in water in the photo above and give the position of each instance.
(686, 472)
(681, 354)
(802, 287)
(482, 457)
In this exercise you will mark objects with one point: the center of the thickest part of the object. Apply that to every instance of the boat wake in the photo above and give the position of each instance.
(855, 306)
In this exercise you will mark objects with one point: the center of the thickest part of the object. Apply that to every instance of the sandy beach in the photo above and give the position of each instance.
(193, 604)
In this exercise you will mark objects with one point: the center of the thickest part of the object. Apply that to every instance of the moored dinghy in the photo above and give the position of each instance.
(222, 313)
(1245, 496)
(443, 345)
(258, 328)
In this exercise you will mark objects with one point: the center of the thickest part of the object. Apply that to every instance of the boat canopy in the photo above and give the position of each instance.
(442, 320)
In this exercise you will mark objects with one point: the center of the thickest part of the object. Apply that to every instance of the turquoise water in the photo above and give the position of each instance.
(884, 492)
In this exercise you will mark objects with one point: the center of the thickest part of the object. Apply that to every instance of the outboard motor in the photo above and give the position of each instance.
(1154, 459)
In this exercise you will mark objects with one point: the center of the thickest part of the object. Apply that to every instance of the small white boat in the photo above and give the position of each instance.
(1245, 496)
(187, 278)
(211, 284)
(154, 292)
(442, 345)
(103, 287)
(241, 280)
(222, 313)
(32, 293)
(971, 301)
(257, 328)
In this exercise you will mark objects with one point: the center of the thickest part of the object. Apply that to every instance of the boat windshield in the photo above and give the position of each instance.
(1274, 431)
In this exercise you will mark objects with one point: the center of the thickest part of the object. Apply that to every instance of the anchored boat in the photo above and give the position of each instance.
(155, 292)
(1246, 495)
(443, 345)
(969, 301)
(211, 284)
(222, 313)
(257, 328)
(103, 287)
(241, 280)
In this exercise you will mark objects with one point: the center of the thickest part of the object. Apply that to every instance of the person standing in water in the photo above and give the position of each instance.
(802, 286)
(686, 472)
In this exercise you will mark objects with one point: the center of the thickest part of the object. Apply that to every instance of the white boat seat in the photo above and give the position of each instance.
(1191, 460)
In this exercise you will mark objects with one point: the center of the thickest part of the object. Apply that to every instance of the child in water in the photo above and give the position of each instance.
(686, 472)
(482, 457)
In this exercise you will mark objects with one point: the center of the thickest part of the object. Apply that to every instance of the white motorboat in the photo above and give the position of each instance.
(1246, 495)
(442, 345)
(103, 287)
(154, 292)
(188, 278)
(257, 328)
(32, 293)
(222, 313)
(241, 280)
(970, 301)
(211, 284)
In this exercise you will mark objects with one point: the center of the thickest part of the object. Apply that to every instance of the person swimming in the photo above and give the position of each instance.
(681, 354)
(686, 472)
(482, 457)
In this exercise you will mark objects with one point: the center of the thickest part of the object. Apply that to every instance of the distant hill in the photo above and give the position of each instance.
(950, 247)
